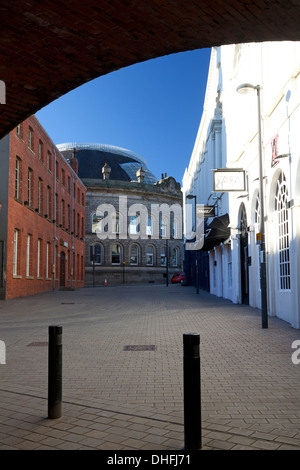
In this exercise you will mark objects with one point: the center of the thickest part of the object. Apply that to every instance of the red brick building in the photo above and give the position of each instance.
(42, 219)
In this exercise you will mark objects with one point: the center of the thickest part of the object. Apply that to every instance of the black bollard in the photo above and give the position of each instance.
(55, 372)
(192, 391)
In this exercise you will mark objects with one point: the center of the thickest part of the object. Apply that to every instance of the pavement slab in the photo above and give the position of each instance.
(123, 372)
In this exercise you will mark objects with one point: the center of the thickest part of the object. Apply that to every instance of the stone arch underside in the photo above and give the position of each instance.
(49, 48)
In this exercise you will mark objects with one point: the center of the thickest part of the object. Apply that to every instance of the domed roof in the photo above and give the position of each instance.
(92, 157)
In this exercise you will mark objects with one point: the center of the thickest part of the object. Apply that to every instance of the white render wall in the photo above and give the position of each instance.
(228, 137)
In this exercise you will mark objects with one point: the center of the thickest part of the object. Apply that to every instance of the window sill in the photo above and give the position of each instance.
(17, 276)
(18, 200)
(29, 277)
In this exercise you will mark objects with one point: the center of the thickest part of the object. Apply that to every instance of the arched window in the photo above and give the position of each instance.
(163, 256)
(150, 255)
(176, 229)
(134, 255)
(133, 225)
(281, 198)
(163, 227)
(115, 254)
(96, 253)
(175, 257)
(96, 223)
(116, 223)
(149, 228)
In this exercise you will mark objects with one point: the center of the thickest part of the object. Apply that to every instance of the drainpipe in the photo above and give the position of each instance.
(72, 232)
(54, 218)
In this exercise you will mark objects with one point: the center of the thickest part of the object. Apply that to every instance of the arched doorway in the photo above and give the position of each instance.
(244, 274)
(62, 276)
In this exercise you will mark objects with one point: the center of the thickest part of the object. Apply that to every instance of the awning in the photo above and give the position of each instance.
(216, 232)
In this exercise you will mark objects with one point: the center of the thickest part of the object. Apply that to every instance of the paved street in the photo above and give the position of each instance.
(133, 399)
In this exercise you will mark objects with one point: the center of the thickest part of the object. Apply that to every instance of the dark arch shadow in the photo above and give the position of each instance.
(50, 48)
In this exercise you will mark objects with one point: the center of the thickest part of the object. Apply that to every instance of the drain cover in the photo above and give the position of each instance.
(38, 343)
(140, 347)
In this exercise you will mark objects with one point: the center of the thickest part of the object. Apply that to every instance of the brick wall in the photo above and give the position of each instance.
(40, 234)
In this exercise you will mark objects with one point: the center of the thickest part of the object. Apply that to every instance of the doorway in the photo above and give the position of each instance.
(62, 277)
(244, 257)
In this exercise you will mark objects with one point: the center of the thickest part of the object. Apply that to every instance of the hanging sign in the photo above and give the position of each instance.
(205, 211)
(229, 179)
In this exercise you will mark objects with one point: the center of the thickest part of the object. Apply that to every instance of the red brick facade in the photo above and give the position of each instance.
(46, 216)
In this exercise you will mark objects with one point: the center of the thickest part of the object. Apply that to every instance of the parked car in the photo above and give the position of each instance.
(178, 278)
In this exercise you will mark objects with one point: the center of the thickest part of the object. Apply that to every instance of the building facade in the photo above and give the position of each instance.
(42, 219)
(228, 137)
(133, 221)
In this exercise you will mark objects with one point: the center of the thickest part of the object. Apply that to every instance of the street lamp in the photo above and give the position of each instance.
(192, 196)
(244, 89)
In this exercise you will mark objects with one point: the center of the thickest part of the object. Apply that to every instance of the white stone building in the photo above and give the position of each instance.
(228, 137)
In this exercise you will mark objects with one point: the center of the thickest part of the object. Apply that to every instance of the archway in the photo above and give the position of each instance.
(47, 51)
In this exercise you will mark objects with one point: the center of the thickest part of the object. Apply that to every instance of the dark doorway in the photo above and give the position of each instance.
(244, 257)
(62, 278)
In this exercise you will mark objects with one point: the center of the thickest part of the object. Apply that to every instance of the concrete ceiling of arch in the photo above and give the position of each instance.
(48, 48)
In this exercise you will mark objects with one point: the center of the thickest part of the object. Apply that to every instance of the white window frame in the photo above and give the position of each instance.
(17, 180)
(283, 235)
(120, 254)
(28, 251)
(132, 255)
(15, 253)
(38, 255)
(150, 255)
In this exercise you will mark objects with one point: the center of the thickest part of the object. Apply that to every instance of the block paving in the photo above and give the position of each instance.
(118, 398)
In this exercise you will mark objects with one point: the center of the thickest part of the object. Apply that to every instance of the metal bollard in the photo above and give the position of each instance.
(55, 372)
(192, 391)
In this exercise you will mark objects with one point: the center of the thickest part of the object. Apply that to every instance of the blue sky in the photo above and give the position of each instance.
(153, 109)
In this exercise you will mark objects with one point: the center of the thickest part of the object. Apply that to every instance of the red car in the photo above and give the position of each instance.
(178, 278)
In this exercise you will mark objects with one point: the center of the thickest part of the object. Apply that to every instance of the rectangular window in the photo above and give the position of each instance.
(48, 258)
(63, 177)
(49, 203)
(30, 187)
(18, 179)
(28, 255)
(20, 130)
(78, 225)
(39, 255)
(40, 196)
(69, 218)
(133, 225)
(31, 138)
(96, 223)
(16, 261)
(41, 151)
(63, 222)
(82, 227)
(49, 161)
